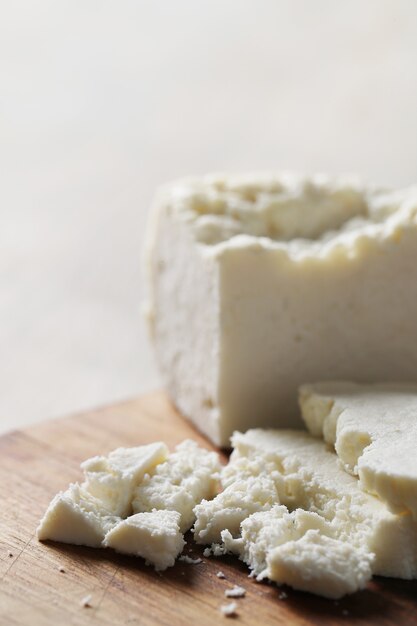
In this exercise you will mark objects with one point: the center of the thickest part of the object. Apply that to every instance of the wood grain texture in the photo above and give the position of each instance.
(37, 462)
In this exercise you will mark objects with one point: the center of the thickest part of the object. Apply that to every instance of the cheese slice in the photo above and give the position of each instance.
(299, 549)
(154, 536)
(308, 476)
(260, 283)
(374, 431)
(188, 475)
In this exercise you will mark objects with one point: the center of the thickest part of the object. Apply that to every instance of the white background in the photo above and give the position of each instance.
(101, 101)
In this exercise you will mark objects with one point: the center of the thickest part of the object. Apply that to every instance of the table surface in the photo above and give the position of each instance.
(37, 462)
(102, 102)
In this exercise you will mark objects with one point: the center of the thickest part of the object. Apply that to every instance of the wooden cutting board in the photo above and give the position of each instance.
(37, 462)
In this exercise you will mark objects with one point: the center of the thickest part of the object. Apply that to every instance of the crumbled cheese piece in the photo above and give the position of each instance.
(231, 506)
(298, 549)
(229, 610)
(207, 552)
(75, 516)
(86, 512)
(320, 565)
(180, 483)
(61, 569)
(113, 478)
(86, 601)
(252, 262)
(236, 592)
(218, 549)
(374, 431)
(308, 476)
(190, 560)
(220, 574)
(154, 536)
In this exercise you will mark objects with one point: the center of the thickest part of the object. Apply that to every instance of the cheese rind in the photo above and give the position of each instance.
(154, 536)
(252, 263)
(189, 475)
(374, 431)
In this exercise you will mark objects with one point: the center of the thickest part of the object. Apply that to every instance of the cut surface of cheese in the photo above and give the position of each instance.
(374, 431)
(75, 516)
(307, 475)
(189, 475)
(154, 536)
(251, 262)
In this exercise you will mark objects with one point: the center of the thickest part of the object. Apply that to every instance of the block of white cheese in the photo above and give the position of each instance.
(154, 536)
(75, 516)
(189, 475)
(299, 549)
(260, 283)
(307, 475)
(374, 431)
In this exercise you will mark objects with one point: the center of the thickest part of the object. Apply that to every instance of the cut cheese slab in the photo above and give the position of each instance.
(189, 475)
(154, 536)
(307, 475)
(299, 549)
(374, 431)
(259, 283)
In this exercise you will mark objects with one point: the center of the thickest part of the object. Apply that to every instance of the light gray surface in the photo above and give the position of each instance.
(102, 101)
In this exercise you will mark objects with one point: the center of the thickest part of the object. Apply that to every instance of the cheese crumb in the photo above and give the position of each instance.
(236, 592)
(187, 559)
(220, 575)
(229, 610)
(61, 569)
(86, 601)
